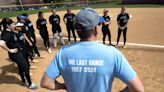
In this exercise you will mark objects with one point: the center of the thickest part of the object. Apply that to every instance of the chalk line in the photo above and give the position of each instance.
(121, 43)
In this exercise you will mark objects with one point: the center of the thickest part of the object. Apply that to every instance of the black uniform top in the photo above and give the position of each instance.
(123, 19)
(30, 27)
(41, 24)
(11, 39)
(21, 39)
(70, 18)
(54, 20)
(0, 26)
(107, 19)
(25, 29)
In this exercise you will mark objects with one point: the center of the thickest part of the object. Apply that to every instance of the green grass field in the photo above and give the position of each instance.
(114, 4)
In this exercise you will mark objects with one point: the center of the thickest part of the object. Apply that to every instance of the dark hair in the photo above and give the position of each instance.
(40, 13)
(122, 7)
(85, 34)
(82, 33)
(5, 22)
(68, 9)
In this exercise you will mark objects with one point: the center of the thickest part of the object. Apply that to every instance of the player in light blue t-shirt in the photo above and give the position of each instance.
(89, 66)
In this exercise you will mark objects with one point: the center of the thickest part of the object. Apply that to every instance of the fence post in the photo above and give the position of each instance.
(20, 1)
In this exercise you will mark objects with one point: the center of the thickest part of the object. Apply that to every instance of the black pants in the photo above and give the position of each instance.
(69, 29)
(55, 29)
(23, 66)
(106, 31)
(124, 35)
(45, 37)
(27, 51)
(34, 46)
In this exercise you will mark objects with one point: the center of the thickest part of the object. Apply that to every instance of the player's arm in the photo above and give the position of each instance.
(118, 21)
(127, 21)
(3, 45)
(50, 20)
(47, 82)
(59, 19)
(51, 84)
(135, 85)
(106, 23)
(52, 72)
(26, 38)
(64, 19)
(37, 25)
(126, 73)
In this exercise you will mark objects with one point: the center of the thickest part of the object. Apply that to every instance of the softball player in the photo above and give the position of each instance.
(12, 41)
(54, 20)
(31, 36)
(105, 27)
(69, 16)
(122, 21)
(41, 26)
(27, 44)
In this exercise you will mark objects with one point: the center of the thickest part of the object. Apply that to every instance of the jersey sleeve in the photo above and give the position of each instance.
(24, 29)
(59, 18)
(50, 19)
(123, 70)
(53, 68)
(109, 18)
(45, 21)
(128, 16)
(73, 15)
(65, 16)
(6, 37)
(118, 17)
(37, 24)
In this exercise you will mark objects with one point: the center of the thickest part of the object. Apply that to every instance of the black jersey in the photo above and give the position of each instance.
(106, 19)
(21, 39)
(30, 27)
(54, 20)
(11, 39)
(25, 30)
(41, 24)
(123, 19)
(70, 18)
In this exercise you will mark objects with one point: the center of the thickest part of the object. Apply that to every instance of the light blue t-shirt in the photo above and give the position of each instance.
(90, 67)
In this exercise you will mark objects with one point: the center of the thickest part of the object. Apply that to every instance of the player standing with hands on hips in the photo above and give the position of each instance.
(54, 20)
(69, 16)
(91, 66)
(122, 21)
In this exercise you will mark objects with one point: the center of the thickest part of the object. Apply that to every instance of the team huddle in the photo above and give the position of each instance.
(19, 39)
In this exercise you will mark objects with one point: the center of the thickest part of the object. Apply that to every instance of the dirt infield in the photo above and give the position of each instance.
(146, 26)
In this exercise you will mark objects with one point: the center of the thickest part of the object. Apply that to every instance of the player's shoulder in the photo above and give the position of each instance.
(44, 19)
(65, 14)
(37, 20)
(73, 14)
(51, 16)
(108, 17)
(57, 15)
(119, 14)
(127, 13)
